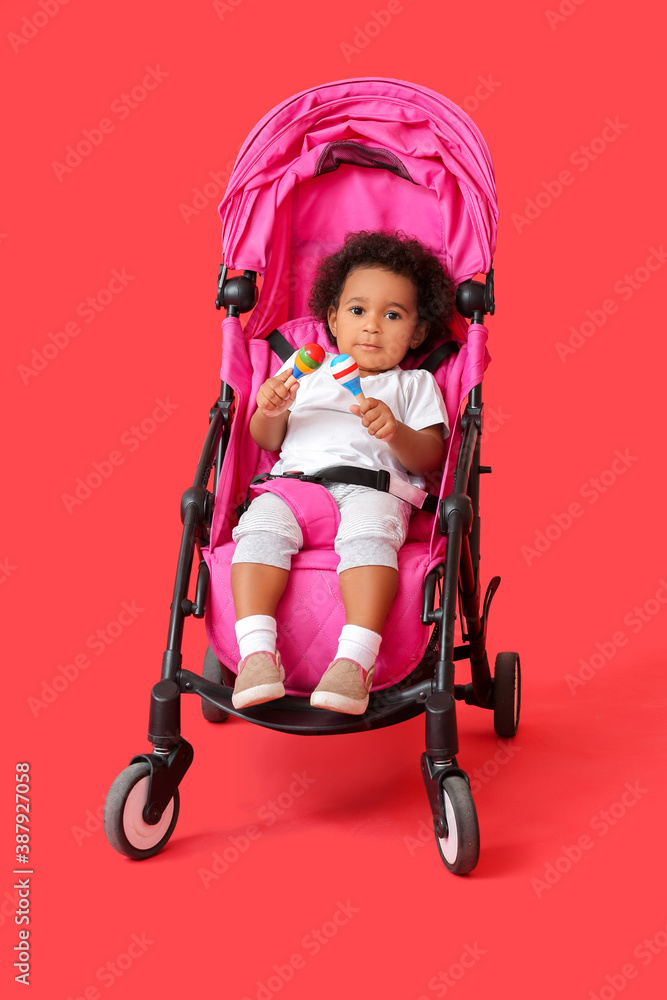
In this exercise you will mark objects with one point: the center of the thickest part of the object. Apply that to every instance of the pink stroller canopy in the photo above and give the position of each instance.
(296, 188)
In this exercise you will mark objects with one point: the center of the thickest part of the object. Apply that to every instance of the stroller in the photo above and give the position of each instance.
(374, 154)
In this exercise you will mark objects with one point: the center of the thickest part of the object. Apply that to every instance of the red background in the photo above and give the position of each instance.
(355, 833)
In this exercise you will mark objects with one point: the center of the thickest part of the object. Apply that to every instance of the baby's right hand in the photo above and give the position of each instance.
(274, 396)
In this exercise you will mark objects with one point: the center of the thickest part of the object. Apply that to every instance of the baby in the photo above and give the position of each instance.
(382, 295)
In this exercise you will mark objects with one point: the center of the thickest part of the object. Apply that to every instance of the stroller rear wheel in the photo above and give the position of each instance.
(460, 848)
(212, 671)
(124, 825)
(506, 694)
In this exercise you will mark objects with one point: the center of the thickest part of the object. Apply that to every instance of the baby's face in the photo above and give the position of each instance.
(376, 320)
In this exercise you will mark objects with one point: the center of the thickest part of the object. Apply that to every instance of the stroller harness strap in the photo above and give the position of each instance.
(373, 479)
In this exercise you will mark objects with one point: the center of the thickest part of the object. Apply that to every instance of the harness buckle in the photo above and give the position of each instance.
(384, 481)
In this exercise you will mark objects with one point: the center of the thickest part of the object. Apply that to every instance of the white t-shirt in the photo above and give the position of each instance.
(321, 430)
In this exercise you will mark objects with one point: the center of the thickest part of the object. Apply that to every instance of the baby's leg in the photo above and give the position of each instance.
(368, 593)
(257, 588)
(267, 537)
(372, 529)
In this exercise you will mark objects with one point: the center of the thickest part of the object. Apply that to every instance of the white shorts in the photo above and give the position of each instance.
(373, 527)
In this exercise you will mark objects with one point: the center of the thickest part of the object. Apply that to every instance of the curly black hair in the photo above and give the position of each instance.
(396, 252)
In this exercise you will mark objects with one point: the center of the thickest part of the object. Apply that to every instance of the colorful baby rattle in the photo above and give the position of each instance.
(308, 359)
(344, 369)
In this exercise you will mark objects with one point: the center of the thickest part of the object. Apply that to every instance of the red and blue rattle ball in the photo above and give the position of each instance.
(344, 369)
(308, 359)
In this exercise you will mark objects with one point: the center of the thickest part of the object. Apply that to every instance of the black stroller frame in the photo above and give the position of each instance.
(142, 806)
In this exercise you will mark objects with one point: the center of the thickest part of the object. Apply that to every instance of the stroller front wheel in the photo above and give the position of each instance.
(460, 848)
(124, 825)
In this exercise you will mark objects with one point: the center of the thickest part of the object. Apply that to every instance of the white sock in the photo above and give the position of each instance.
(256, 634)
(358, 644)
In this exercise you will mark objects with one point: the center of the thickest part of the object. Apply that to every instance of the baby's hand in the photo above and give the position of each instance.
(377, 418)
(273, 396)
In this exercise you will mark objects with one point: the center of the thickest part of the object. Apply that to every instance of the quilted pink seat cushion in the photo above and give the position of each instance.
(310, 617)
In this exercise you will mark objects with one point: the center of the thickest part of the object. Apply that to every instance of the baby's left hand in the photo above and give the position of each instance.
(377, 418)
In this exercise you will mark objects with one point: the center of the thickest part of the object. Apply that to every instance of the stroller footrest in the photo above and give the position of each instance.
(294, 714)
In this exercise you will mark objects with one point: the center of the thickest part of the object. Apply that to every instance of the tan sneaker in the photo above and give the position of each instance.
(260, 678)
(344, 687)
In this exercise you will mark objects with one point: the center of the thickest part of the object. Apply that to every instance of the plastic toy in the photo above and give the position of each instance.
(344, 369)
(308, 360)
